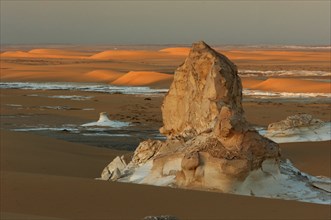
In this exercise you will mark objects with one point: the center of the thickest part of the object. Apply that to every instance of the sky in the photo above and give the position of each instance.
(277, 22)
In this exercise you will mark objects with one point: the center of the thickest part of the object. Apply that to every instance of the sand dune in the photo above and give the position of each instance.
(274, 55)
(289, 85)
(141, 78)
(125, 54)
(18, 54)
(44, 53)
(102, 75)
(176, 51)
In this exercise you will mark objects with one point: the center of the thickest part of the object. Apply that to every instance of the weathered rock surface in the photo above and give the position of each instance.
(114, 170)
(299, 128)
(209, 143)
(295, 121)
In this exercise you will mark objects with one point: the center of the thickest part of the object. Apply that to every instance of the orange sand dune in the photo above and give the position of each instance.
(249, 83)
(139, 78)
(125, 54)
(176, 51)
(264, 55)
(45, 53)
(18, 54)
(290, 85)
(103, 75)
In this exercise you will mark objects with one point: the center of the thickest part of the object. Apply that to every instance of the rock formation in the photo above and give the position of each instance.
(104, 121)
(295, 121)
(300, 127)
(209, 143)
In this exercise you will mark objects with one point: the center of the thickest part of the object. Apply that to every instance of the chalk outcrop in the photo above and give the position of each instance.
(104, 121)
(295, 121)
(300, 127)
(113, 170)
(209, 144)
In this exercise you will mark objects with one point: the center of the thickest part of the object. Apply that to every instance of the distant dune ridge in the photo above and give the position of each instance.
(125, 54)
(177, 51)
(144, 67)
(44, 53)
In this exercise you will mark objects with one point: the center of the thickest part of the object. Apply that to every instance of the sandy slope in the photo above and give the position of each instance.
(139, 78)
(288, 85)
(45, 53)
(102, 75)
(277, 55)
(45, 177)
(125, 54)
(176, 51)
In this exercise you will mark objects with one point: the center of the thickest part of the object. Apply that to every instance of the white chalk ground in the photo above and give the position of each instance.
(287, 183)
(300, 134)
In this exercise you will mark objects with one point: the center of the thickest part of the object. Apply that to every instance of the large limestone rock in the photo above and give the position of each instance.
(209, 142)
(206, 92)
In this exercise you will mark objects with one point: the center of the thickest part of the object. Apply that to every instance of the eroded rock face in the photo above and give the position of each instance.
(209, 142)
(206, 92)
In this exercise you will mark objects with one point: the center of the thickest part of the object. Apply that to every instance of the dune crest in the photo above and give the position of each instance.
(18, 54)
(291, 85)
(177, 51)
(45, 53)
(141, 78)
(124, 54)
(102, 75)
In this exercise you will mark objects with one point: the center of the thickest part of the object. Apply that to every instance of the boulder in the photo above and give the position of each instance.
(295, 121)
(299, 128)
(114, 170)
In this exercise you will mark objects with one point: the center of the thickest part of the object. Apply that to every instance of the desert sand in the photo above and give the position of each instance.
(50, 175)
(135, 78)
(289, 85)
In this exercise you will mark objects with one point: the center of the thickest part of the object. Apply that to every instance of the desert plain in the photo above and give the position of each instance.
(49, 164)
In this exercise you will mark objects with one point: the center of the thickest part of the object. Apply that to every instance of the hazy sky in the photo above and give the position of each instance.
(161, 22)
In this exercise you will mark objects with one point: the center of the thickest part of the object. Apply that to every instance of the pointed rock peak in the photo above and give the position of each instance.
(206, 91)
(200, 45)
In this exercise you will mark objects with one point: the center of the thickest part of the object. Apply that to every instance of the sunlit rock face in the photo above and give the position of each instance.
(206, 91)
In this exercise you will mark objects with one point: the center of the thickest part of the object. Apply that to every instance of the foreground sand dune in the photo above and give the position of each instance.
(288, 85)
(141, 78)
